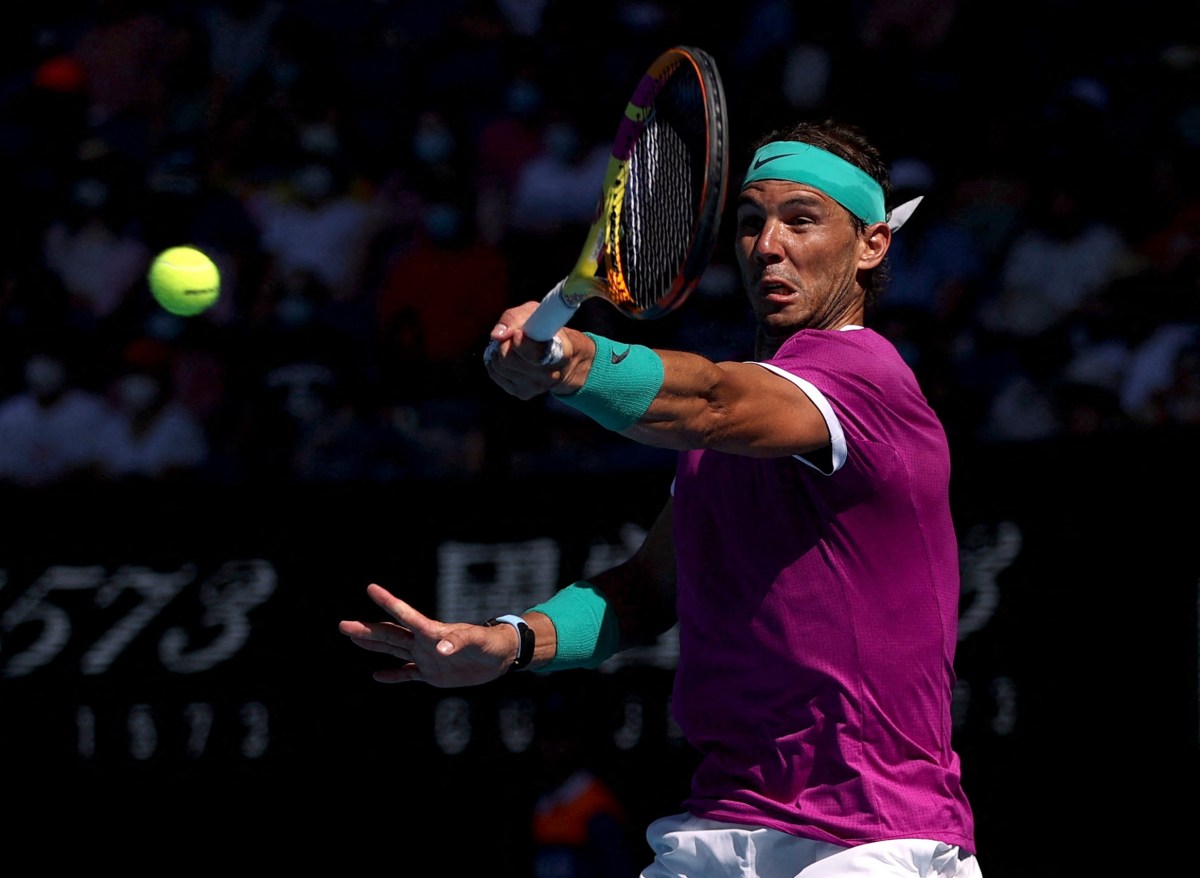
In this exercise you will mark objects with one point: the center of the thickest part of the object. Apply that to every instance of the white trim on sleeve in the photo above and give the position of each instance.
(837, 439)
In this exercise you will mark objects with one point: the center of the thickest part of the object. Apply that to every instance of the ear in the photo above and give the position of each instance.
(876, 240)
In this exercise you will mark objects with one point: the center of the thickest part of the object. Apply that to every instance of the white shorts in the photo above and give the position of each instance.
(692, 847)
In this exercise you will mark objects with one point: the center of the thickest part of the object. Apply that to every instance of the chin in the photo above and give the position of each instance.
(781, 320)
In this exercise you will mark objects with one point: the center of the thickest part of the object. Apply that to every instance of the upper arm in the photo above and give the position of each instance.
(641, 590)
(739, 408)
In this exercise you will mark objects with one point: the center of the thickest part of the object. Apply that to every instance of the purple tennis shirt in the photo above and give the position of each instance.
(818, 612)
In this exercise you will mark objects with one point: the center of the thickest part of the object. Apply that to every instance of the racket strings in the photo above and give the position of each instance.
(664, 193)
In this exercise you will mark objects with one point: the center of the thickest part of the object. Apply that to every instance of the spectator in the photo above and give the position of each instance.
(936, 267)
(48, 430)
(507, 142)
(125, 52)
(1065, 255)
(439, 296)
(97, 250)
(560, 186)
(317, 225)
(435, 307)
(148, 433)
(580, 827)
(239, 38)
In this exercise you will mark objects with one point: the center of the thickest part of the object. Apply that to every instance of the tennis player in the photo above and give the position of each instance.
(807, 551)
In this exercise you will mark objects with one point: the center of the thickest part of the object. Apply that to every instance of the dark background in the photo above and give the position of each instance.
(1076, 715)
(1077, 691)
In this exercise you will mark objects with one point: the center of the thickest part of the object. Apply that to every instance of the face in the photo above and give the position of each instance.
(799, 253)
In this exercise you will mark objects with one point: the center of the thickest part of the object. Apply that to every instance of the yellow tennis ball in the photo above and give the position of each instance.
(184, 281)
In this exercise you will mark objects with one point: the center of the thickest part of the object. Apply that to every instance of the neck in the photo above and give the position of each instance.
(767, 344)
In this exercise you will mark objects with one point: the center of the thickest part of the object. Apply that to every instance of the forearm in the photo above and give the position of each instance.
(660, 398)
(643, 612)
(627, 605)
(692, 408)
(683, 401)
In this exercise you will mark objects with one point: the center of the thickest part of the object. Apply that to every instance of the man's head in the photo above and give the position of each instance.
(812, 230)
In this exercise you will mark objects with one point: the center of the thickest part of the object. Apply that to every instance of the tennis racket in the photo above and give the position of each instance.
(660, 206)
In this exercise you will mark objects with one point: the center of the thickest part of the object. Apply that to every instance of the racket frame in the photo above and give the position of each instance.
(589, 278)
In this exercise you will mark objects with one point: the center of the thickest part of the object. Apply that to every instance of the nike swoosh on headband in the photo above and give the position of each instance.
(770, 158)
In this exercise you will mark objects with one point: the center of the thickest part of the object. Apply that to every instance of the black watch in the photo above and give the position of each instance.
(525, 639)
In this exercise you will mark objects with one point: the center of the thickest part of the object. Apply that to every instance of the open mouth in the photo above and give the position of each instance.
(773, 291)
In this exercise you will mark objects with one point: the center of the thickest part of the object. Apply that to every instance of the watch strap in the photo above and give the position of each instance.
(525, 639)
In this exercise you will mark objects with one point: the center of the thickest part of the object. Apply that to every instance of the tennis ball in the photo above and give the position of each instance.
(184, 281)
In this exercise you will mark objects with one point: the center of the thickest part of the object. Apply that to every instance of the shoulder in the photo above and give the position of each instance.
(855, 368)
(840, 349)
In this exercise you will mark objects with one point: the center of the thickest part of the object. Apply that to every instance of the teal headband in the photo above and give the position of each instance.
(848, 185)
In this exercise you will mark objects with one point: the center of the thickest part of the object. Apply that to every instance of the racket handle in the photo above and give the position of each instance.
(548, 318)
(551, 315)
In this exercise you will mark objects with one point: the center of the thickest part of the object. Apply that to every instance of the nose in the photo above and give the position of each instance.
(766, 247)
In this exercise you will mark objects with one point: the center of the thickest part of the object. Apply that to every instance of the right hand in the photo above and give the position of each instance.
(442, 654)
(525, 367)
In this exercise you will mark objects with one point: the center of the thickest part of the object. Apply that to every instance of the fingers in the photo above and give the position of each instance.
(389, 637)
(508, 340)
(500, 333)
(440, 654)
(525, 368)
(537, 353)
(402, 612)
(379, 632)
(517, 387)
(406, 674)
(512, 320)
(380, 637)
(374, 644)
(380, 595)
(414, 632)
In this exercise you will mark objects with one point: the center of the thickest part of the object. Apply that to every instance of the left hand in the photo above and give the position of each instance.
(442, 654)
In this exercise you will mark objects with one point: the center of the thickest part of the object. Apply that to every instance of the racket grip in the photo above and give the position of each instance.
(548, 318)
(551, 315)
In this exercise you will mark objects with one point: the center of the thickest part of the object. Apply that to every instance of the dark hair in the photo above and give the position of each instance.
(849, 142)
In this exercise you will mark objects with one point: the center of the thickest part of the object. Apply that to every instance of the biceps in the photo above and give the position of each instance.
(769, 414)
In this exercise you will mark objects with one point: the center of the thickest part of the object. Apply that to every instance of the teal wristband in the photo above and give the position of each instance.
(585, 626)
(620, 386)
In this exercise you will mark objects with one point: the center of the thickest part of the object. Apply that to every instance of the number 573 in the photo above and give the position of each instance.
(226, 598)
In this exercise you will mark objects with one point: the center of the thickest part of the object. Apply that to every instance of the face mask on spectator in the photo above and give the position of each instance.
(433, 144)
(442, 222)
(45, 376)
(136, 393)
(562, 141)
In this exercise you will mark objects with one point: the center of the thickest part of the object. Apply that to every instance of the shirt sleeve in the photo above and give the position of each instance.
(826, 460)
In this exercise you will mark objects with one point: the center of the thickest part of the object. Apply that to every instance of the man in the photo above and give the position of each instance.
(807, 553)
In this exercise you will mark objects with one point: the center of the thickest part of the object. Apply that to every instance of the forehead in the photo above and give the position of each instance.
(782, 194)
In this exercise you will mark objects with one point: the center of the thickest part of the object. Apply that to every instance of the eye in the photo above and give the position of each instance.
(749, 223)
(800, 215)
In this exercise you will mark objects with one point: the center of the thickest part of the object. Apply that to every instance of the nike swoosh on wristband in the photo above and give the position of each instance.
(758, 164)
(616, 358)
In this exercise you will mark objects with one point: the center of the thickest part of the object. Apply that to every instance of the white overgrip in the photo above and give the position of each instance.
(551, 315)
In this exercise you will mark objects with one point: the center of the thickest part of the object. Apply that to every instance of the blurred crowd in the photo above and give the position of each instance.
(378, 180)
